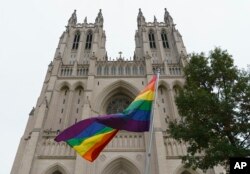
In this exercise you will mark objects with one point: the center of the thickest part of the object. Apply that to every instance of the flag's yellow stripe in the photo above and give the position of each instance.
(87, 144)
(147, 95)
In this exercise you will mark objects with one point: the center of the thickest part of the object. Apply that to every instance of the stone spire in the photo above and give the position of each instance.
(155, 20)
(85, 20)
(73, 19)
(167, 18)
(140, 18)
(99, 19)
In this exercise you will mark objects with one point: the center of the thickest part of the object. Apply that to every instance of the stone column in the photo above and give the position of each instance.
(56, 66)
(92, 68)
(62, 48)
(174, 111)
(74, 73)
(148, 65)
(52, 118)
(95, 43)
(68, 109)
(166, 68)
(30, 148)
(160, 152)
(145, 42)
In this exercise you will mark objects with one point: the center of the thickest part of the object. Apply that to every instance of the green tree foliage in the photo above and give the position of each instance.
(214, 107)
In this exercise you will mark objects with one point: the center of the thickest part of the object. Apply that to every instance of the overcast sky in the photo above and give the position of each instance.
(30, 31)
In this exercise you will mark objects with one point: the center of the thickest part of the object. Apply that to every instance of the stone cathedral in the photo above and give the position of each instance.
(82, 81)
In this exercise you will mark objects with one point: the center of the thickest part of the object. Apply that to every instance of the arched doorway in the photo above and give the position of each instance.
(56, 169)
(185, 172)
(57, 172)
(121, 166)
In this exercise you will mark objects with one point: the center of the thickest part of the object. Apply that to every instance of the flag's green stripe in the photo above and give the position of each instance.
(144, 105)
(77, 141)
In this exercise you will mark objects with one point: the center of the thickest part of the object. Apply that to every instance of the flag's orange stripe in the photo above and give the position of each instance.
(93, 153)
(150, 86)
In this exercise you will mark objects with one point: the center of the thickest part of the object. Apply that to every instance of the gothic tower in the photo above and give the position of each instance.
(81, 81)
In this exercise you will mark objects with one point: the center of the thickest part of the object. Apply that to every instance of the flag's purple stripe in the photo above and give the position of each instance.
(74, 130)
(124, 124)
(138, 115)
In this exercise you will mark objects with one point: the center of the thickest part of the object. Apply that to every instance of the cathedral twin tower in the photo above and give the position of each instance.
(81, 81)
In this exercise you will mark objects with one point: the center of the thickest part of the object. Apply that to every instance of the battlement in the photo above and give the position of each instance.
(119, 68)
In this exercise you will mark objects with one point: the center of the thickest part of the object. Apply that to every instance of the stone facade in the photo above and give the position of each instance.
(82, 81)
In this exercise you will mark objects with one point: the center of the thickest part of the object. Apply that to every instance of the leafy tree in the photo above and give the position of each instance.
(214, 107)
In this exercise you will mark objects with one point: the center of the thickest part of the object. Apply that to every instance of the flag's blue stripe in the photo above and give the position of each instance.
(90, 130)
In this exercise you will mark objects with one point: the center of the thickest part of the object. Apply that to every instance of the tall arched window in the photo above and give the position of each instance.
(155, 70)
(151, 38)
(113, 70)
(141, 70)
(76, 105)
(99, 70)
(120, 70)
(135, 70)
(61, 108)
(165, 110)
(89, 40)
(164, 39)
(76, 40)
(127, 70)
(106, 70)
(176, 89)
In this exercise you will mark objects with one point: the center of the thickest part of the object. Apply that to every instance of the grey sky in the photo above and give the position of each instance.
(30, 30)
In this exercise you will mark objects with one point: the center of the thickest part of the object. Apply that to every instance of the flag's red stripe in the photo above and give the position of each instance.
(93, 153)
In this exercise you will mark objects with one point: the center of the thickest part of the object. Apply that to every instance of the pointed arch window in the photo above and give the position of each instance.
(66, 91)
(151, 38)
(89, 40)
(99, 70)
(164, 39)
(176, 89)
(141, 70)
(118, 103)
(76, 40)
(106, 70)
(113, 70)
(135, 70)
(154, 70)
(120, 70)
(127, 70)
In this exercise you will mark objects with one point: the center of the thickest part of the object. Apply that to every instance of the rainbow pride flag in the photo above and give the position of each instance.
(89, 137)
(136, 117)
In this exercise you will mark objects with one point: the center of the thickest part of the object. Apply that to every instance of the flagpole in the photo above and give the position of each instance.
(151, 128)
